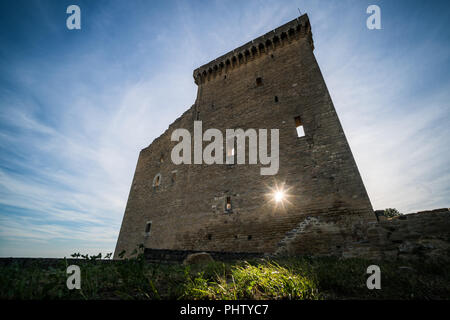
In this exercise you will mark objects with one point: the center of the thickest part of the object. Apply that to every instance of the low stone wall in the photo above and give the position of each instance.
(151, 255)
(46, 262)
(166, 255)
(421, 235)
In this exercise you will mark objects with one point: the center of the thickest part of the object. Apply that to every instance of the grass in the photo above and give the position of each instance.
(261, 281)
(294, 278)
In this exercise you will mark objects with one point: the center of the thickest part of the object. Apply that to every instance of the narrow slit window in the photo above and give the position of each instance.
(299, 126)
(259, 81)
(276, 99)
(157, 180)
(148, 227)
(174, 176)
(230, 151)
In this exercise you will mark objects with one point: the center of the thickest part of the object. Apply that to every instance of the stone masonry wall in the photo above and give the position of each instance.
(266, 84)
(422, 235)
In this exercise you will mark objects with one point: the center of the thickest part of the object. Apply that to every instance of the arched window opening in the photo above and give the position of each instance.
(291, 32)
(276, 41)
(240, 58)
(261, 48)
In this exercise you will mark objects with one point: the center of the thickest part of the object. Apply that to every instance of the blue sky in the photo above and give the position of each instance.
(77, 106)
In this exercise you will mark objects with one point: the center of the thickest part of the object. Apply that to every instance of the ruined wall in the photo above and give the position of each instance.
(187, 209)
(422, 235)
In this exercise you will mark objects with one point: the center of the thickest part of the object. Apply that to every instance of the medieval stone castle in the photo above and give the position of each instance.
(273, 81)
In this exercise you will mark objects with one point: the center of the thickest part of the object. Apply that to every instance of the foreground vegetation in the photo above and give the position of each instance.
(295, 278)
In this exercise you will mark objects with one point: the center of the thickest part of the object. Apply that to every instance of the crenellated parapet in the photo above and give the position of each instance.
(263, 45)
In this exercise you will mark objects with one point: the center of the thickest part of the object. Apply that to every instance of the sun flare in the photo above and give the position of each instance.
(279, 196)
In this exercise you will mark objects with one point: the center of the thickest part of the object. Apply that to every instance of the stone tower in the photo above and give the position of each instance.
(273, 81)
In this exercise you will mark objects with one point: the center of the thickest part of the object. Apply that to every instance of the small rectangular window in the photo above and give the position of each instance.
(148, 227)
(228, 207)
(299, 126)
(259, 81)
